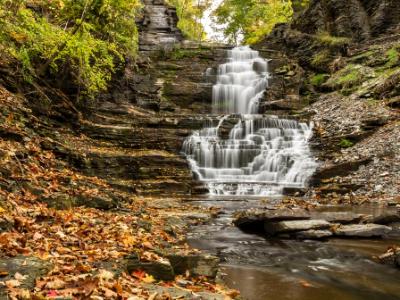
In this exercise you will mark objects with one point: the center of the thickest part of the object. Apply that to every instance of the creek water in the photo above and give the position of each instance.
(247, 165)
(279, 269)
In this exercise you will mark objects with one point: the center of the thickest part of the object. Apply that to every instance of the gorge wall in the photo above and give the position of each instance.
(347, 53)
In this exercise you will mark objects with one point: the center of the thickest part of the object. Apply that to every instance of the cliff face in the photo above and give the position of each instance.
(158, 26)
(348, 55)
(357, 19)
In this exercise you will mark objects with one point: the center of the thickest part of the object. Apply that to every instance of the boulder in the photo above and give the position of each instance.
(196, 264)
(362, 230)
(341, 217)
(161, 270)
(64, 201)
(273, 228)
(30, 267)
(183, 293)
(313, 234)
(6, 224)
(386, 218)
(391, 257)
(248, 218)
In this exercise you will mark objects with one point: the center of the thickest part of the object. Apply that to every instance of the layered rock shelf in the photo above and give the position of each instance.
(303, 224)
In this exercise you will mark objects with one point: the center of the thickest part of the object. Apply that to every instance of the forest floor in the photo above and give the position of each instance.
(104, 243)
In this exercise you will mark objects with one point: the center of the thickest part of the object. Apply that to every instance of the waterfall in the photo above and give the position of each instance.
(263, 154)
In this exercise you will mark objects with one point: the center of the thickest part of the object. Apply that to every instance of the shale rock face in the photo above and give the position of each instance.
(357, 19)
(157, 26)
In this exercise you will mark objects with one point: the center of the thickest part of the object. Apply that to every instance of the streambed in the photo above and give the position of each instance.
(272, 268)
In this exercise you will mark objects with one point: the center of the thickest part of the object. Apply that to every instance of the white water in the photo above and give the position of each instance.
(263, 154)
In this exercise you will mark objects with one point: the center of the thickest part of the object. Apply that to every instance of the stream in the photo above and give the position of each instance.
(249, 167)
(279, 269)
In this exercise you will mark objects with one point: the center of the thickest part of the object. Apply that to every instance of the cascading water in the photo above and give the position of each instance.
(263, 154)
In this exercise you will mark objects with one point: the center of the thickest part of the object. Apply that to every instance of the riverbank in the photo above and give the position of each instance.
(64, 233)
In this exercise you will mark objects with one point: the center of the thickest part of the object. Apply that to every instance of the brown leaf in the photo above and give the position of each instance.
(3, 273)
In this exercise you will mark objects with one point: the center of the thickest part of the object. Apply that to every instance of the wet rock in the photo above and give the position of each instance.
(313, 234)
(274, 228)
(185, 294)
(197, 265)
(5, 224)
(386, 218)
(362, 230)
(161, 270)
(174, 224)
(64, 201)
(31, 267)
(291, 191)
(339, 169)
(256, 218)
(341, 217)
(391, 257)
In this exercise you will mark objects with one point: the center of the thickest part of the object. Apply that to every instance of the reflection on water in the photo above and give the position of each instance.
(255, 284)
(298, 270)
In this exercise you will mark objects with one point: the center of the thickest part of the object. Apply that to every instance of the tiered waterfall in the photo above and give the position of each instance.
(263, 154)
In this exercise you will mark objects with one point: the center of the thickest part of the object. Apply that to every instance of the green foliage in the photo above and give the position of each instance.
(85, 40)
(178, 54)
(318, 79)
(300, 5)
(320, 59)
(326, 39)
(393, 57)
(345, 143)
(190, 13)
(252, 19)
(349, 76)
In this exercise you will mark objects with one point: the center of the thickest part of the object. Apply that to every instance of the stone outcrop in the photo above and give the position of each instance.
(363, 231)
(313, 224)
(357, 19)
(158, 26)
(274, 228)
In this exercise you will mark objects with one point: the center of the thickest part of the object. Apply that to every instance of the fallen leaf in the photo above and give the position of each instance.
(152, 296)
(148, 279)
(20, 277)
(305, 284)
(105, 275)
(12, 283)
(56, 284)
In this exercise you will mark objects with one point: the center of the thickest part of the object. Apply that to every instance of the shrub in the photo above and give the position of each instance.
(326, 39)
(393, 57)
(82, 40)
(345, 143)
(318, 79)
(321, 59)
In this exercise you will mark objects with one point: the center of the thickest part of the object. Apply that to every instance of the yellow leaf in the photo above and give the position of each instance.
(2, 210)
(148, 279)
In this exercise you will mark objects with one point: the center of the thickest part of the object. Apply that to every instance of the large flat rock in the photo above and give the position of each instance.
(386, 218)
(362, 230)
(258, 217)
(313, 234)
(293, 226)
(341, 217)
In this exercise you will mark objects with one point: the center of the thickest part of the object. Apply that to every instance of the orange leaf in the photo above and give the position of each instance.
(3, 273)
(305, 284)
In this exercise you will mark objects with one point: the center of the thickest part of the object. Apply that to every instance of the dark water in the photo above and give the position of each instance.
(297, 270)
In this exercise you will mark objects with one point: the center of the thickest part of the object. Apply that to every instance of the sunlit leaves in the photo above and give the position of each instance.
(190, 13)
(82, 39)
(252, 19)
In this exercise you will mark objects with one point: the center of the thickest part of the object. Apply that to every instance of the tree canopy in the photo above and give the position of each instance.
(252, 19)
(190, 13)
